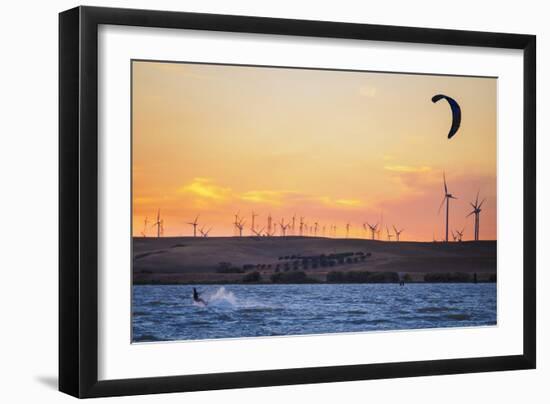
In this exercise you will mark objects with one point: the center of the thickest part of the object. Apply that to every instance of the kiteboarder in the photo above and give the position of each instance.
(197, 298)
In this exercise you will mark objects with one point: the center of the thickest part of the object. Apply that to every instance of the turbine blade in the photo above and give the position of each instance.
(444, 182)
(481, 203)
(440, 206)
(471, 213)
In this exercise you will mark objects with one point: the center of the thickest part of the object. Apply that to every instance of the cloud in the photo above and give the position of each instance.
(339, 203)
(267, 197)
(206, 191)
(204, 188)
(348, 202)
(407, 169)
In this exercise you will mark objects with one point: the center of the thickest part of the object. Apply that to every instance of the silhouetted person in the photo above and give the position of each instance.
(197, 298)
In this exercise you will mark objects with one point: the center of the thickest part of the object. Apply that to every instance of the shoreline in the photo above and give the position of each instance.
(454, 278)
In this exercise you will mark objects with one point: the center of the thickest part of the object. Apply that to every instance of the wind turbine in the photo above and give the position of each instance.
(240, 225)
(284, 227)
(372, 229)
(293, 227)
(381, 224)
(388, 233)
(144, 232)
(162, 227)
(252, 226)
(194, 223)
(459, 234)
(454, 235)
(315, 228)
(158, 223)
(477, 210)
(397, 232)
(259, 232)
(448, 196)
(269, 225)
(235, 230)
(205, 233)
(347, 229)
(301, 225)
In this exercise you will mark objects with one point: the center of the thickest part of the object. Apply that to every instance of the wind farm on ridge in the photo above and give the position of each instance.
(297, 226)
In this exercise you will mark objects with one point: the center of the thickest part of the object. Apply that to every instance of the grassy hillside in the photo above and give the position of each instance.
(194, 260)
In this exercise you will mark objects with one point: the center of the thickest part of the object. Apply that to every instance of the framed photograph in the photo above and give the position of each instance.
(251, 201)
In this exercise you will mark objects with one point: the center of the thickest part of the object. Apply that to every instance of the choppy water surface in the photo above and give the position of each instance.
(167, 312)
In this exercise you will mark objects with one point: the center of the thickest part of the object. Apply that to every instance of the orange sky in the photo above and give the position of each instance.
(331, 146)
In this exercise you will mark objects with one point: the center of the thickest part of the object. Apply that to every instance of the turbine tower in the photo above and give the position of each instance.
(144, 232)
(388, 233)
(235, 229)
(476, 211)
(240, 225)
(204, 233)
(293, 227)
(316, 225)
(372, 229)
(269, 225)
(252, 226)
(301, 225)
(446, 198)
(397, 233)
(158, 223)
(284, 227)
(194, 223)
(347, 229)
(459, 234)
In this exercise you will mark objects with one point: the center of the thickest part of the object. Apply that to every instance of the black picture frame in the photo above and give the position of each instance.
(78, 201)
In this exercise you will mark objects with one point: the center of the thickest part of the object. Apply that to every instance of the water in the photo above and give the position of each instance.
(168, 313)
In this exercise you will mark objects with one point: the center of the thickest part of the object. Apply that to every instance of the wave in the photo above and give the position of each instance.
(223, 298)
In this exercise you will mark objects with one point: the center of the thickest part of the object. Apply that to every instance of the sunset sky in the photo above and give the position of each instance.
(331, 146)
